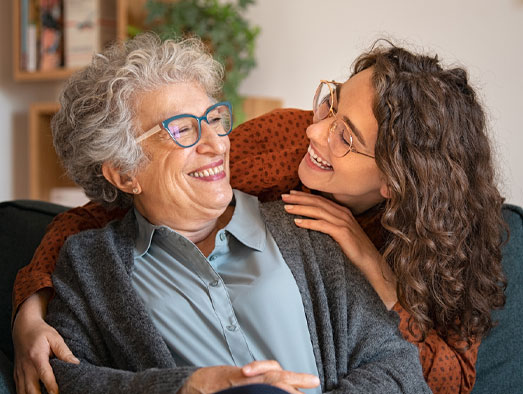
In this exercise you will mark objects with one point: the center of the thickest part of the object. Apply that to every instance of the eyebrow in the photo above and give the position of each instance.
(355, 130)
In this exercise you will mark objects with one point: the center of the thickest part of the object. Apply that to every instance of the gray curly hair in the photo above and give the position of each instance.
(95, 123)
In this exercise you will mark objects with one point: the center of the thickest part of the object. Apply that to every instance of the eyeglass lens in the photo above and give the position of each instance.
(324, 101)
(185, 129)
(340, 139)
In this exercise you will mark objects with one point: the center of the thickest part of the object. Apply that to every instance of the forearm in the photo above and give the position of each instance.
(382, 279)
(34, 307)
(87, 377)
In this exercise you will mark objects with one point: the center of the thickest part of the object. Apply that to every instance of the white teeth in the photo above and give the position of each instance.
(208, 172)
(318, 160)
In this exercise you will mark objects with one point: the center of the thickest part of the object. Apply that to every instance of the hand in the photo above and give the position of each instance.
(211, 379)
(34, 342)
(338, 222)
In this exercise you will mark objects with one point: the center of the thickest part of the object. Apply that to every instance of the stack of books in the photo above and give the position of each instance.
(64, 33)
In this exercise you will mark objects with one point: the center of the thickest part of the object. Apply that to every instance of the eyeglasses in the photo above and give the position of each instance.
(186, 129)
(324, 105)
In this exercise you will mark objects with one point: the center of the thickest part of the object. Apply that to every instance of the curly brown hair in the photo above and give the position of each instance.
(444, 211)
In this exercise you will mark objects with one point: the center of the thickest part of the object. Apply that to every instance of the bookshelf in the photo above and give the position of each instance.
(45, 171)
(126, 10)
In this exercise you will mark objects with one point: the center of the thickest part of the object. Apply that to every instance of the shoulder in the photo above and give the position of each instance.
(89, 249)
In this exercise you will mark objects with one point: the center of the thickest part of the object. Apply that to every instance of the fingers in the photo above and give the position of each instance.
(319, 203)
(260, 367)
(61, 350)
(31, 381)
(315, 213)
(270, 372)
(45, 373)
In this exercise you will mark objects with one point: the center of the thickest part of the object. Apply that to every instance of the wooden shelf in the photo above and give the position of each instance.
(123, 8)
(45, 170)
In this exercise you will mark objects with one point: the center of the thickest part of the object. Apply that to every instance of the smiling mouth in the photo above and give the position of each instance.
(208, 172)
(318, 161)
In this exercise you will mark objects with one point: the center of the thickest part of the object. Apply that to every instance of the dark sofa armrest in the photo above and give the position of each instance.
(500, 357)
(22, 226)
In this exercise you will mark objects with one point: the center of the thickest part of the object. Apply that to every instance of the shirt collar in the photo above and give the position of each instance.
(246, 225)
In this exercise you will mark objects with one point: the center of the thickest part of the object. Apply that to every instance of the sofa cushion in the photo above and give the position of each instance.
(500, 357)
(22, 226)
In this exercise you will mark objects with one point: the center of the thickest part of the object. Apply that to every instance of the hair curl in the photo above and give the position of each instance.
(444, 211)
(96, 122)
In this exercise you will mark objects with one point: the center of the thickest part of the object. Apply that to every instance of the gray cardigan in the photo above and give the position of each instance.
(356, 343)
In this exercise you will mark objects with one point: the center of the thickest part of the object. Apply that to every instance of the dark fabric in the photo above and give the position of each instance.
(500, 357)
(7, 385)
(22, 226)
(253, 389)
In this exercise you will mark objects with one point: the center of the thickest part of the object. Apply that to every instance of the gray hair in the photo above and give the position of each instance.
(96, 124)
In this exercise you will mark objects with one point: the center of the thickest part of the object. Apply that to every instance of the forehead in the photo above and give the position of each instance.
(356, 100)
(173, 99)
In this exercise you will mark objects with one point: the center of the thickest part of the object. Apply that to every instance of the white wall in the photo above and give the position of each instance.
(303, 41)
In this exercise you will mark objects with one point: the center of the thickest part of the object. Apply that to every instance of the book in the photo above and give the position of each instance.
(89, 25)
(51, 53)
(32, 26)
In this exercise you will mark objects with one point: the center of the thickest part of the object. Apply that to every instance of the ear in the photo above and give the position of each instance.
(384, 190)
(124, 182)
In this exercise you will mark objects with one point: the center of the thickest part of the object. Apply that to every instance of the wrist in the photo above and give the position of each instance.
(34, 307)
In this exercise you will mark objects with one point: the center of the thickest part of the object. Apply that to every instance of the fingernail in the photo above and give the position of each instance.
(285, 195)
(288, 207)
(293, 192)
(247, 369)
(297, 221)
(74, 360)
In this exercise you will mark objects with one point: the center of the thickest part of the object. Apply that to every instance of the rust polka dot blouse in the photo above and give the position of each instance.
(265, 154)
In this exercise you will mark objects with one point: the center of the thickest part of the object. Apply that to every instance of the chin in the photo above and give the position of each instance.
(307, 177)
(223, 197)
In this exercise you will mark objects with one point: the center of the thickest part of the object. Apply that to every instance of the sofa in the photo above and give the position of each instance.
(266, 153)
(500, 358)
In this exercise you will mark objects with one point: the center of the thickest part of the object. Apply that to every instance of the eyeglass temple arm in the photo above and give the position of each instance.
(149, 133)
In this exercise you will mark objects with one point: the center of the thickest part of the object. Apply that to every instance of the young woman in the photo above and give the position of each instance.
(404, 142)
(401, 156)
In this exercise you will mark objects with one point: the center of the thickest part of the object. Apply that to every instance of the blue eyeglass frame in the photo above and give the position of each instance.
(163, 125)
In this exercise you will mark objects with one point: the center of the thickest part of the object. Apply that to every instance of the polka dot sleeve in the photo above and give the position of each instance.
(445, 369)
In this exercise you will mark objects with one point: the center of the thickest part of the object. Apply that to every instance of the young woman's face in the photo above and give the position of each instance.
(353, 180)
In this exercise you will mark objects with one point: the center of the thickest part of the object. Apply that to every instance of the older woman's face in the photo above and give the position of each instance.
(175, 190)
(354, 179)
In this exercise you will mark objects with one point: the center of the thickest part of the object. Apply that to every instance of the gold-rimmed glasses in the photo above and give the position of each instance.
(324, 105)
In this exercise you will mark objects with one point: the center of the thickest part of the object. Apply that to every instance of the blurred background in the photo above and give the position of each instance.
(295, 43)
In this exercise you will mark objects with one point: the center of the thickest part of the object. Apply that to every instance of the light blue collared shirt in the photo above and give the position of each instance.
(238, 305)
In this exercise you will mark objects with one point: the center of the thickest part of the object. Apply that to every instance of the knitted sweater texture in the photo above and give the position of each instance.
(356, 342)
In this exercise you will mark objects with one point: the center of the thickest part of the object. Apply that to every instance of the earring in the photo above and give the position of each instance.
(136, 190)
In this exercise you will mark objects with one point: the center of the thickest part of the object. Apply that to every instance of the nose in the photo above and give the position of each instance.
(319, 132)
(211, 142)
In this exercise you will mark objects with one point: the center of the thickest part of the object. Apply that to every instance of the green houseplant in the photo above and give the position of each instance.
(221, 26)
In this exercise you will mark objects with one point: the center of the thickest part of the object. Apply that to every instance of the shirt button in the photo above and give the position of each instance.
(213, 257)
(215, 283)
(231, 327)
(222, 236)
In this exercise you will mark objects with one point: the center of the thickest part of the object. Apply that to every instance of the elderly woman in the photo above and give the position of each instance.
(198, 288)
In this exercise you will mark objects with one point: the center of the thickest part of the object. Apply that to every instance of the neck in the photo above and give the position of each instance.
(359, 205)
(194, 229)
